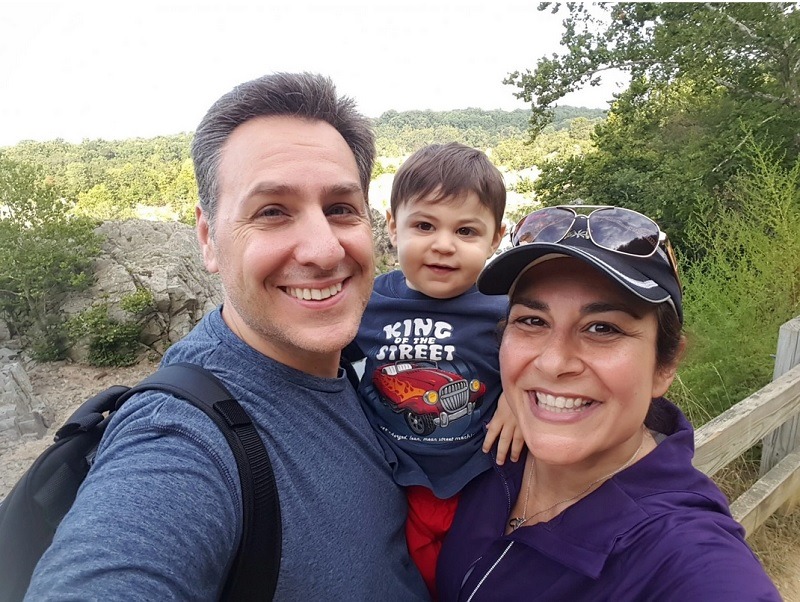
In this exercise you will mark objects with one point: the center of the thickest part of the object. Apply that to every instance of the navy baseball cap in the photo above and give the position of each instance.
(652, 279)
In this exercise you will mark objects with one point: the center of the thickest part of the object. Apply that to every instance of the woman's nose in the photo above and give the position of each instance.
(559, 356)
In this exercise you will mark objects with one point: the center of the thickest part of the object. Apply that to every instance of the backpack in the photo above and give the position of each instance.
(31, 512)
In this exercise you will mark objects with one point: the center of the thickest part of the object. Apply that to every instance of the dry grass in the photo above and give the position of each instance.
(777, 541)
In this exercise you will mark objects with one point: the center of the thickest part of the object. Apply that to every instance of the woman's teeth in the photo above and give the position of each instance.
(553, 403)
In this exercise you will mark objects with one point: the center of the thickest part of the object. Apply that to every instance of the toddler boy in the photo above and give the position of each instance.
(431, 379)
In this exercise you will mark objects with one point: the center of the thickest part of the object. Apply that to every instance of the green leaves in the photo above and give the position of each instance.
(46, 253)
(750, 50)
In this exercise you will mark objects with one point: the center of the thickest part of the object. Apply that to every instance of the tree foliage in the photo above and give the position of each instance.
(46, 253)
(111, 179)
(705, 78)
(401, 133)
(751, 50)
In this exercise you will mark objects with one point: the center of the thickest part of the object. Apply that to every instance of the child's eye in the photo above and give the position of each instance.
(425, 226)
(465, 231)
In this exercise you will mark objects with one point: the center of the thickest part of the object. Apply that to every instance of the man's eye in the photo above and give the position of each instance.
(341, 210)
(271, 212)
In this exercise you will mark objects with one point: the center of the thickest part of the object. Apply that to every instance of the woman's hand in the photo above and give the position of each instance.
(503, 429)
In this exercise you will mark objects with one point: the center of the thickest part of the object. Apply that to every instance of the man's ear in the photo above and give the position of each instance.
(391, 227)
(498, 238)
(206, 240)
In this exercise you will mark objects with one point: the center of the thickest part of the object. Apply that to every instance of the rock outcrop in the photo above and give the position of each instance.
(22, 415)
(162, 257)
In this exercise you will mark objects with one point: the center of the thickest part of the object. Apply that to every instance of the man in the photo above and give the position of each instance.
(283, 168)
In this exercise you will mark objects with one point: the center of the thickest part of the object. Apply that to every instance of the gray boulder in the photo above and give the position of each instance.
(23, 416)
(164, 258)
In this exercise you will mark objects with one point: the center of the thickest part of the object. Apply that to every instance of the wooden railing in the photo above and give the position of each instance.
(770, 415)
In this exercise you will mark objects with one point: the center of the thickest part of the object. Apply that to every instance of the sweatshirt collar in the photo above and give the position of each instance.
(585, 534)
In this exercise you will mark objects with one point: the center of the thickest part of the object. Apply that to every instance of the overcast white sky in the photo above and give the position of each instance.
(124, 68)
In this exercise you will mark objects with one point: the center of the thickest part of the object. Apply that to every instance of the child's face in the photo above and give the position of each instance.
(443, 244)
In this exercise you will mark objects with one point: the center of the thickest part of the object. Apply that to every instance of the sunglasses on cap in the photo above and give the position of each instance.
(614, 229)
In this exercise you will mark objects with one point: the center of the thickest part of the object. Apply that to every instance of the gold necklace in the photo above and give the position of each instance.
(517, 521)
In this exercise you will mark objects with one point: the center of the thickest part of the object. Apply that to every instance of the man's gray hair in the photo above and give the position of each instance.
(303, 95)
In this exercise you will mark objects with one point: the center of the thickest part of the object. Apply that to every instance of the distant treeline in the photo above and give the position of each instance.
(401, 133)
(109, 179)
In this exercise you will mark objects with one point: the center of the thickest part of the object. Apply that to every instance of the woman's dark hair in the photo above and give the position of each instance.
(669, 342)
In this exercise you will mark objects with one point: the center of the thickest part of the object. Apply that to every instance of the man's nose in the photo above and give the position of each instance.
(318, 243)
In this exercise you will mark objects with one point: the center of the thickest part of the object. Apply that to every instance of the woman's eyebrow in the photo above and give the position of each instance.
(531, 304)
(597, 307)
(603, 307)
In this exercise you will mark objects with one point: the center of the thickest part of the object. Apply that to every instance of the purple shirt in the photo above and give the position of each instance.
(659, 530)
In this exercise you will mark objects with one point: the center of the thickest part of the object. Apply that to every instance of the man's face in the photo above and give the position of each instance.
(292, 241)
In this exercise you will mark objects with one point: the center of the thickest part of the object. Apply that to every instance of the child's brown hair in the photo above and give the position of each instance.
(449, 171)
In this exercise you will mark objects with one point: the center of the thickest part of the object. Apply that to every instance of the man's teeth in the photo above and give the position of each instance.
(553, 403)
(317, 294)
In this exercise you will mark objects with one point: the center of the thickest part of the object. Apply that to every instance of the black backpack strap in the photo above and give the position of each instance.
(254, 572)
(349, 371)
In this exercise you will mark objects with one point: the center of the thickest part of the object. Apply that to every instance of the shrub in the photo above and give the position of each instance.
(744, 286)
(113, 342)
(138, 303)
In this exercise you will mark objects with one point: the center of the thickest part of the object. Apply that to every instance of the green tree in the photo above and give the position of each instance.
(750, 50)
(705, 77)
(46, 253)
(98, 203)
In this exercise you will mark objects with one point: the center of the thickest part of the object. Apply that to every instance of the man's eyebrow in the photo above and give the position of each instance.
(279, 189)
(342, 189)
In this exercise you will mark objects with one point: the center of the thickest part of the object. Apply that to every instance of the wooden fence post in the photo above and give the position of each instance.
(783, 440)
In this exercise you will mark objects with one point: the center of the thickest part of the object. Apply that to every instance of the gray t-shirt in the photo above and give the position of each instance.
(159, 516)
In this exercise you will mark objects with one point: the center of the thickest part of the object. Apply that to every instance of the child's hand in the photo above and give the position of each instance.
(503, 429)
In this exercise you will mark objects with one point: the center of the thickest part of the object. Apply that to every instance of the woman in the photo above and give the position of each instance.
(606, 504)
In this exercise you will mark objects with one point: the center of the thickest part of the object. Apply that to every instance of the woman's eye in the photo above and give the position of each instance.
(602, 328)
(530, 320)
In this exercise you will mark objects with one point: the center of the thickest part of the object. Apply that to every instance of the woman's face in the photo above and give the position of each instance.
(578, 364)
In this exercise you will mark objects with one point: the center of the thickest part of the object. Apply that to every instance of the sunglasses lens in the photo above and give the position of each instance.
(545, 225)
(618, 229)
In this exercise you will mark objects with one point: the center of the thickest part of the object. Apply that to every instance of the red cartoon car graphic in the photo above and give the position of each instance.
(426, 395)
